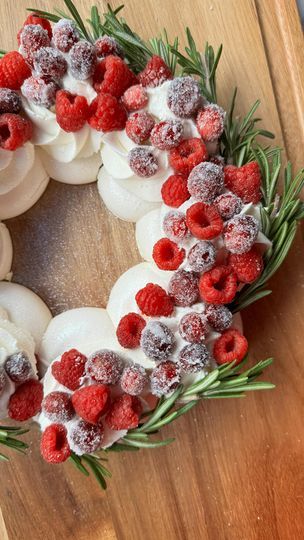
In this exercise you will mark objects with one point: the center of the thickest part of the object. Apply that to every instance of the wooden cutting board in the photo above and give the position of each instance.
(236, 470)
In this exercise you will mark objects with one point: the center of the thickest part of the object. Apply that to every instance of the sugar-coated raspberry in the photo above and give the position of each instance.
(124, 413)
(65, 35)
(18, 367)
(167, 255)
(10, 101)
(107, 114)
(194, 357)
(210, 122)
(230, 346)
(143, 162)
(155, 73)
(193, 327)
(240, 233)
(133, 379)
(175, 226)
(69, 370)
(15, 131)
(187, 155)
(167, 134)
(164, 378)
(157, 341)
(32, 38)
(228, 205)
(247, 266)
(2, 379)
(202, 256)
(206, 181)
(218, 317)
(104, 366)
(204, 221)
(153, 301)
(139, 126)
(54, 445)
(40, 91)
(37, 20)
(244, 181)
(135, 98)
(184, 96)
(106, 46)
(82, 58)
(91, 402)
(72, 111)
(13, 70)
(218, 286)
(113, 76)
(26, 401)
(183, 288)
(49, 62)
(129, 330)
(57, 406)
(85, 438)
(174, 190)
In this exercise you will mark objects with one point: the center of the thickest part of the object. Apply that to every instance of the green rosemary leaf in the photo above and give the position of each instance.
(46, 14)
(161, 409)
(77, 462)
(202, 385)
(118, 447)
(76, 17)
(147, 444)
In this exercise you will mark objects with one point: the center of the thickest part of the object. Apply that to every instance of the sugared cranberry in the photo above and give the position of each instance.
(184, 96)
(164, 378)
(168, 134)
(49, 62)
(143, 162)
(201, 256)
(135, 98)
(192, 327)
(106, 45)
(175, 226)
(218, 317)
(104, 366)
(194, 357)
(40, 91)
(210, 122)
(32, 38)
(139, 126)
(18, 367)
(57, 406)
(157, 341)
(240, 233)
(85, 438)
(206, 181)
(133, 379)
(183, 288)
(228, 205)
(65, 35)
(82, 60)
(10, 101)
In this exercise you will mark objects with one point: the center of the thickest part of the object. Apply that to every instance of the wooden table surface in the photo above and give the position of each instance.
(236, 470)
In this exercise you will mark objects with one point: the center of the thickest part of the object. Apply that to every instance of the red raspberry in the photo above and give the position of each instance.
(247, 266)
(218, 317)
(26, 401)
(240, 233)
(175, 226)
(210, 122)
(13, 70)
(135, 98)
(157, 341)
(164, 378)
(168, 134)
(244, 181)
(175, 191)
(206, 181)
(85, 438)
(230, 346)
(57, 406)
(2, 380)
(204, 221)
(83, 60)
(218, 286)
(14, 131)
(155, 73)
(153, 301)
(10, 101)
(32, 38)
(72, 111)
(183, 288)
(113, 76)
(49, 62)
(124, 413)
(91, 402)
(193, 358)
(18, 367)
(41, 91)
(187, 155)
(143, 162)
(184, 96)
(104, 366)
(133, 379)
(129, 330)
(65, 35)
(36, 20)
(202, 256)
(228, 205)
(167, 255)
(139, 126)
(54, 445)
(192, 327)
(69, 370)
(107, 114)
(106, 46)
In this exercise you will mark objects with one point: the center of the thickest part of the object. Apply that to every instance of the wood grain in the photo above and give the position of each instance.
(236, 469)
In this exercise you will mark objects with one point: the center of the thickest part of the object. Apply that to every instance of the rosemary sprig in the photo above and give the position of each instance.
(2, 53)
(8, 438)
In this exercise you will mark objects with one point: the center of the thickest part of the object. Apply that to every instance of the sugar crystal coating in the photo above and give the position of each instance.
(193, 327)
(157, 341)
(82, 60)
(194, 357)
(10, 101)
(65, 35)
(202, 256)
(104, 366)
(33, 37)
(184, 96)
(40, 91)
(175, 226)
(57, 406)
(168, 134)
(240, 233)
(228, 205)
(183, 288)
(49, 62)
(85, 438)
(218, 317)
(18, 367)
(143, 162)
(206, 181)
(164, 378)
(133, 379)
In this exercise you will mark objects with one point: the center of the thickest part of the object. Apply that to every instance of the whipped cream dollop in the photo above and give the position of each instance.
(6, 252)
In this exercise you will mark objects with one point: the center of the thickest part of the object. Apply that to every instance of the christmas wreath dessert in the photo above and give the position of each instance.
(85, 102)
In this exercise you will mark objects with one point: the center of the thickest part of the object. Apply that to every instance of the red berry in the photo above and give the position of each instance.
(228, 205)
(113, 76)
(187, 155)
(41, 91)
(36, 20)
(168, 134)
(91, 402)
(13, 70)
(69, 370)
(193, 358)
(218, 317)
(135, 98)
(247, 266)
(18, 367)
(230, 346)
(202, 256)
(205, 182)
(104, 366)
(10, 101)
(204, 221)
(157, 341)
(106, 46)
(83, 60)
(218, 160)
(175, 191)
(240, 233)
(210, 122)
(124, 413)
(244, 181)
(85, 438)
(155, 73)
(32, 38)
(164, 378)
(143, 162)
(14, 131)
(175, 226)
(54, 445)
(133, 379)
(107, 114)
(49, 62)
(72, 111)
(139, 126)
(129, 330)
(26, 401)
(192, 327)
(218, 286)
(183, 288)
(65, 35)
(167, 255)
(153, 301)
(184, 96)
(57, 406)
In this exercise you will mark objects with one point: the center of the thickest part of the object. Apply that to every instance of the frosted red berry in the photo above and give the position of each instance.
(167, 134)
(174, 190)
(193, 327)
(218, 286)
(153, 301)
(65, 35)
(143, 162)
(124, 413)
(184, 96)
(26, 401)
(15, 131)
(48, 62)
(40, 91)
(69, 370)
(218, 317)
(57, 406)
(54, 445)
(230, 346)
(187, 155)
(32, 38)
(13, 70)
(104, 366)
(164, 378)
(205, 182)
(167, 255)
(133, 379)
(72, 111)
(183, 288)
(157, 341)
(228, 205)
(247, 266)
(155, 73)
(175, 226)
(194, 357)
(204, 221)
(10, 101)
(139, 126)
(113, 76)
(135, 98)
(82, 60)
(244, 181)
(18, 367)
(91, 402)
(202, 256)
(210, 122)
(107, 114)
(240, 233)
(107, 45)
(129, 330)
(85, 438)
(35, 19)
